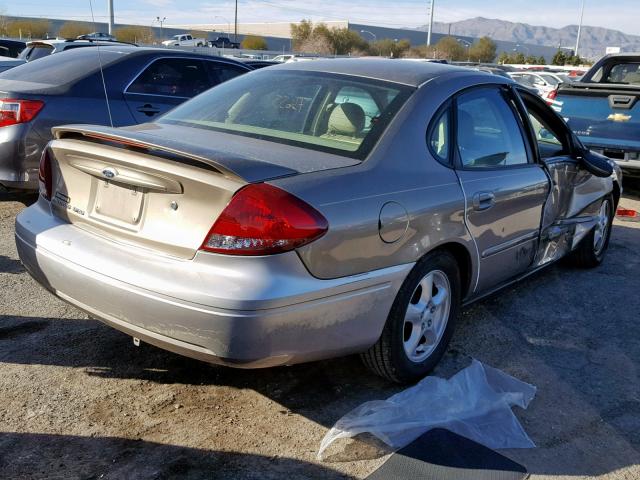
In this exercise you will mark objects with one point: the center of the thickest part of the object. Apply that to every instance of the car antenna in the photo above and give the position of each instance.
(104, 85)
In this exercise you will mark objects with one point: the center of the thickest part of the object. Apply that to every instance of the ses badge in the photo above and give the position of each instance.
(63, 201)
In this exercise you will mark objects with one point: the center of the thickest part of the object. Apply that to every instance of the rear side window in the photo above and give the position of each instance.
(221, 72)
(488, 133)
(439, 138)
(175, 77)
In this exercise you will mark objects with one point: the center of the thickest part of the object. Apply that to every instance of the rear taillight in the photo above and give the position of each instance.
(262, 219)
(14, 111)
(551, 96)
(44, 174)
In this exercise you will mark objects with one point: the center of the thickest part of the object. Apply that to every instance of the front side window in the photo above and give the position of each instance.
(179, 77)
(488, 134)
(314, 110)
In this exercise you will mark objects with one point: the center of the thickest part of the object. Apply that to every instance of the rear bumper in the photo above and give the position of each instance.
(627, 157)
(243, 312)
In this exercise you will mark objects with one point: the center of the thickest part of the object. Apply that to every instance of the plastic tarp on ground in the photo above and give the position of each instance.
(475, 403)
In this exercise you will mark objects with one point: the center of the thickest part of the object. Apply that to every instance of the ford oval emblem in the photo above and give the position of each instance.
(109, 172)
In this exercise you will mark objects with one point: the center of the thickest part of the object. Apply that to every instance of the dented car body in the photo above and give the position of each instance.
(381, 163)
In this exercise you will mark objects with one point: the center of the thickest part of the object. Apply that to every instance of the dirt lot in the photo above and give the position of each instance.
(78, 400)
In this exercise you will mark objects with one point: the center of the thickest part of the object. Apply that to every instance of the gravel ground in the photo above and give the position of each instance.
(78, 400)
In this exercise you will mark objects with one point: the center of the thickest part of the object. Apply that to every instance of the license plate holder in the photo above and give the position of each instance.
(119, 204)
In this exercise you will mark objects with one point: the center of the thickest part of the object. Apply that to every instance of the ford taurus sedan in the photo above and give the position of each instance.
(314, 210)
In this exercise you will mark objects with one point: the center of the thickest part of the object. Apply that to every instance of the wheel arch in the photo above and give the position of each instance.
(616, 192)
(463, 259)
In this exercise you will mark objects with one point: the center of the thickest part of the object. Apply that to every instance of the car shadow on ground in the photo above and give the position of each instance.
(24, 197)
(9, 265)
(28, 455)
(573, 333)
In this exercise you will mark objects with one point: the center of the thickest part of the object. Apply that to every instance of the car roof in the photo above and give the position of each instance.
(54, 42)
(392, 70)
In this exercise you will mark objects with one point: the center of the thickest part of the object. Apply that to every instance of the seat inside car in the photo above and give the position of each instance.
(346, 121)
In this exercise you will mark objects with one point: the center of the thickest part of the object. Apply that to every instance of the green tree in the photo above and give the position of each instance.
(531, 60)
(483, 50)
(253, 42)
(541, 60)
(300, 33)
(319, 38)
(518, 58)
(559, 58)
(74, 29)
(450, 49)
(29, 28)
(389, 48)
(135, 34)
(504, 58)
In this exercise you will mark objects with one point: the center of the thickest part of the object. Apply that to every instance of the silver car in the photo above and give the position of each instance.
(316, 209)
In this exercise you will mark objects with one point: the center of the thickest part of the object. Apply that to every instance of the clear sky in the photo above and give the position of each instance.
(621, 15)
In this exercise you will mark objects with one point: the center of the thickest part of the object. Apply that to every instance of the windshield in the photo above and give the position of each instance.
(319, 111)
(550, 79)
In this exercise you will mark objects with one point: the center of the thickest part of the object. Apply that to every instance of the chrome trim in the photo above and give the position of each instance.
(509, 244)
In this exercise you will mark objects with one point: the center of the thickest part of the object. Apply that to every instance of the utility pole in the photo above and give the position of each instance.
(235, 34)
(430, 23)
(161, 22)
(110, 17)
(579, 30)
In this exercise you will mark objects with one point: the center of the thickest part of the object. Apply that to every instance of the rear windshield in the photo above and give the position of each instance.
(35, 52)
(319, 111)
(624, 73)
(63, 67)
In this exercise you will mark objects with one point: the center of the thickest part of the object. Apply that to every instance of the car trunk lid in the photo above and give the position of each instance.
(149, 191)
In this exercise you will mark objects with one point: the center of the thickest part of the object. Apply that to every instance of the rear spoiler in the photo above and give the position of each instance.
(231, 166)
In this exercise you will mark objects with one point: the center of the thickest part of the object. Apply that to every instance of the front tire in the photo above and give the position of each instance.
(591, 251)
(421, 321)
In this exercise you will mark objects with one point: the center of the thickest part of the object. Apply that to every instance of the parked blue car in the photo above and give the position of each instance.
(140, 83)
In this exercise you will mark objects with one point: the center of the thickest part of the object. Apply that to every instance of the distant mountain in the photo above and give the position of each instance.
(593, 40)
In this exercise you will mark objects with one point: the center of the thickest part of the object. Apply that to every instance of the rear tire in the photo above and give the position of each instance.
(591, 251)
(420, 323)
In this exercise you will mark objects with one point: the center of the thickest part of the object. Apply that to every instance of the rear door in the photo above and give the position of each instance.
(505, 189)
(163, 84)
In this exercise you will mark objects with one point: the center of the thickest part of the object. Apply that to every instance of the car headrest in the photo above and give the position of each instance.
(346, 119)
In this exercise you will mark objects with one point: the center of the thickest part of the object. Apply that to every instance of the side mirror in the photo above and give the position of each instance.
(594, 163)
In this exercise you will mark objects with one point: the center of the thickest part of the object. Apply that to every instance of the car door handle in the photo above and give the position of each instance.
(148, 109)
(483, 200)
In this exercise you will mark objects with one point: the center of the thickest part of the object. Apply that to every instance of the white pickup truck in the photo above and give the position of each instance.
(185, 40)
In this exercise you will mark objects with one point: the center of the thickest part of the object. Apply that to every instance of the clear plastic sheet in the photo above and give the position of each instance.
(475, 403)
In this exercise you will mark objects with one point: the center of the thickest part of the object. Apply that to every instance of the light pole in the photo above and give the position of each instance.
(579, 30)
(467, 45)
(161, 22)
(235, 34)
(430, 22)
(375, 38)
(110, 17)
(226, 20)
